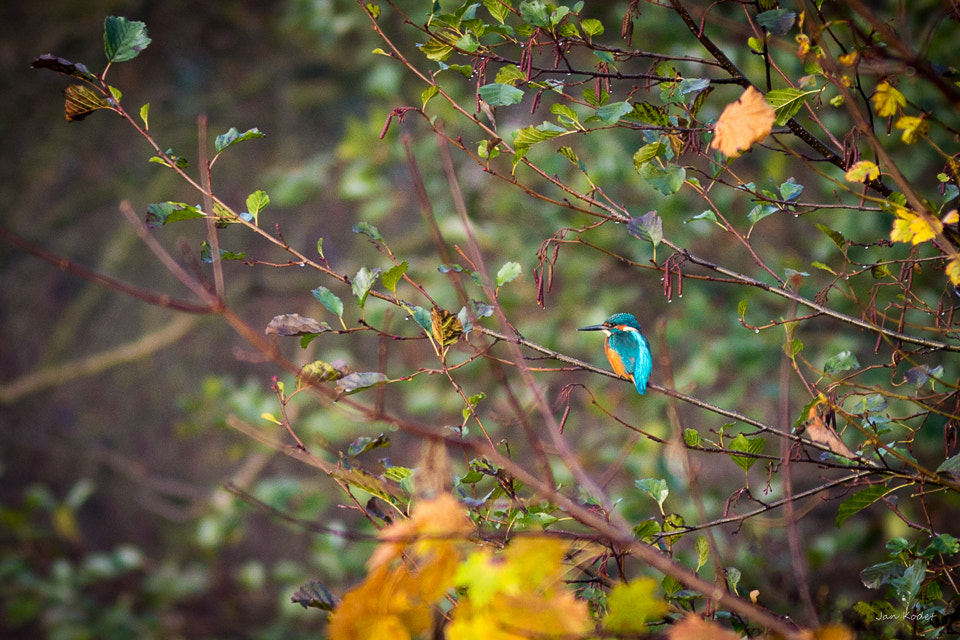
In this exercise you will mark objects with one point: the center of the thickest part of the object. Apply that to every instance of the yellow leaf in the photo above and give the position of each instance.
(887, 100)
(953, 271)
(909, 227)
(848, 58)
(743, 123)
(862, 171)
(517, 594)
(901, 231)
(952, 217)
(913, 128)
(631, 606)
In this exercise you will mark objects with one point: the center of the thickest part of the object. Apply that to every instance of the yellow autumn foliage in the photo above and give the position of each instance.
(518, 594)
(410, 571)
(887, 100)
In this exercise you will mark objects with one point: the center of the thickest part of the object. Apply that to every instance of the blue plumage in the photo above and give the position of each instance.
(626, 348)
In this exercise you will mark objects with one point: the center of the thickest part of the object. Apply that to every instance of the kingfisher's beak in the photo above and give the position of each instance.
(593, 327)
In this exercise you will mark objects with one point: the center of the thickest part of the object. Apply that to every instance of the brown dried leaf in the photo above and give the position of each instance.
(81, 101)
(293, 324)
(822, 433)
(743, 123)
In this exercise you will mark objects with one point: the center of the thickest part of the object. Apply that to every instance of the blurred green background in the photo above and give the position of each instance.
(114, 520)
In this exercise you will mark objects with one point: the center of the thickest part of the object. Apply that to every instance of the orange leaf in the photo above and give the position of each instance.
(696, 628)
(743, 123)
(820, 431)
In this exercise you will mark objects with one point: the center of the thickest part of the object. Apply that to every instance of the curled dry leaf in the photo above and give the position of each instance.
(293, 324)
(743, 123)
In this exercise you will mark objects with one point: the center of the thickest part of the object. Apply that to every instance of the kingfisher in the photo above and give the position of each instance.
(626, 348)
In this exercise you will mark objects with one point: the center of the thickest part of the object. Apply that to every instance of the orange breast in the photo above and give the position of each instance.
(616, 362)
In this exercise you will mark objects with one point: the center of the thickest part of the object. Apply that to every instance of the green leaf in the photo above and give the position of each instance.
(648, 227)
(510, 75)
(233, 136)
(945, 544)
(950, 465)
(647, 530)
(257, 202)
(565, 115)
(359, 381)
(525, 138)
(877, 575)
(907, 586)
(733, 578)
(362, 284)
(843, 361)
(329, 300)
(536, 13)
(611, 113)
(428, 93)
(592, 27)
(646, 153)
(207, 256)
(423, 318)
(667, 180)
(691, 437)
(436, 50)
(760, 212)
(792, 347)
(777, 21)
(571, 155)
(368, 230)
(500, 95)
(314, 594)
(746, 445)
(703, 551)
(366, 443)
(507, 273)
(316, 372)
(123, 39)
(499, 9)
(646, 112)
(473, 401)
(656, 488)
(692, 85)
(836, 236)
(144, 112)
(860, 501)
(786, 103)
(166, 212)
(320, 247)
(790, 190)
(393, 275)
(742, 309)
